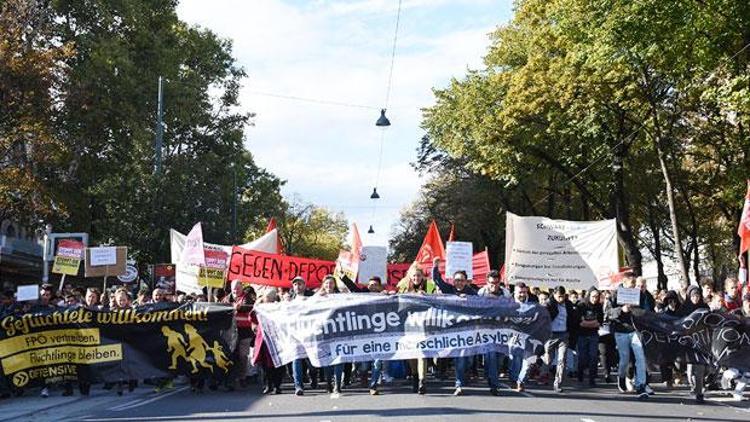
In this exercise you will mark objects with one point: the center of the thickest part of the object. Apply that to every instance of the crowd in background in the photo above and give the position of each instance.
(593, 340)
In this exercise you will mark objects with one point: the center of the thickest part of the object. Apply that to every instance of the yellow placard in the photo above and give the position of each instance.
(66, 265)
(211, 277)
(83, 337)
(63, 354)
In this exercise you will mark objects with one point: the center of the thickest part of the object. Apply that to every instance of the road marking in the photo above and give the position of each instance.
(741, 409)
(587, 420)
(523, 393)
(139, 403)
(130, 403)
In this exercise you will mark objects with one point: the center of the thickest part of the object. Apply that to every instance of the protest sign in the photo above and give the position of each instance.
(192, 254)
(353, 328)
(276, 270)
(77, 344)
(573, 254)
(100, 262)
(212, 274)
(68, 257)
(626, 296)
(186, 276)
(163, 277)
(459, 258)
(103, 255)
(27, 293)
(131, 273)
(373, 263)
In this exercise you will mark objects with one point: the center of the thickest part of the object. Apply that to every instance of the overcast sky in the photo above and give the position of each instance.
(340, 51)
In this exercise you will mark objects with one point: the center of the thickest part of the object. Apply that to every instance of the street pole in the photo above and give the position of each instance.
(159, 127)
(234, 203)
(46, 252)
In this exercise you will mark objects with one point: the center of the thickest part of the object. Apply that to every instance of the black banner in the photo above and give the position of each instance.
(705, 337)
(77, 344)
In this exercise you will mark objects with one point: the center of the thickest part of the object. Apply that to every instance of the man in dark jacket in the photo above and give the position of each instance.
(627, 338)
(460, 287)
(562, 317)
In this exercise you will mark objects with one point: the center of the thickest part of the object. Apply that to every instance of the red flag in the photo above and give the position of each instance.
(744, 229)
(432, 247)
(452, 234)
(272, 225)
(480, 264)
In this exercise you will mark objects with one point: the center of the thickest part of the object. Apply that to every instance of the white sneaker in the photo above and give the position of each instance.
(649, 390)
(45, 392)
(335, 395)
(737, 396)
(629, 383)
(387, 379)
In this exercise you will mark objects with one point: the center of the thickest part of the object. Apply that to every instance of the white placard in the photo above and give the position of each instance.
(543, 252)
(373, 261)
(27, 293)
(131, 274)
(103, 255)
(626, 296)
(459, 257)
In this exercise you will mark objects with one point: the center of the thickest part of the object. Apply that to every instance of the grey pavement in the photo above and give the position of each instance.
(395, 403)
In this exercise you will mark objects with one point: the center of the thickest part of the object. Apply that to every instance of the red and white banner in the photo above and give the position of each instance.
(276, 270)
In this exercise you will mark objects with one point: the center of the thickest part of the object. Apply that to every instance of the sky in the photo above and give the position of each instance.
(340, 52)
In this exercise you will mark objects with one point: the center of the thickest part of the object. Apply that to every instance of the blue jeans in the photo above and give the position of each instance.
(335, 373)
(378, 367)
(297, 367)
(491, 360)
(587, 355)
(625, 342)
(518, 365)
(462, 364)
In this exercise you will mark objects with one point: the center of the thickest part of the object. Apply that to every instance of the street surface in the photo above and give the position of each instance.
(395, 403)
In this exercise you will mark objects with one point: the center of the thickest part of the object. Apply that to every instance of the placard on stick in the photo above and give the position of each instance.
(459, 257)
(27, 293)
(118, 268)
(626, 296)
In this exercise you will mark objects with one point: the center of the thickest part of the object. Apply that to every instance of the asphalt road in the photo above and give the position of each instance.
(396, 403)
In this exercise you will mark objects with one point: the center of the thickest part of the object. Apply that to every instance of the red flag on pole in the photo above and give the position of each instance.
(452, 234)
(272, 225)
(743, 231)
(432, 247)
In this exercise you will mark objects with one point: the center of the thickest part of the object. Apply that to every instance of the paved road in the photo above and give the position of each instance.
(396, 402)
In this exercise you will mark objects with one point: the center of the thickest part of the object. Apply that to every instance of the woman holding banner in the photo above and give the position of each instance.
(416, 283)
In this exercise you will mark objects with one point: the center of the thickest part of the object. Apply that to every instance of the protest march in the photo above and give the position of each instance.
(297, 320)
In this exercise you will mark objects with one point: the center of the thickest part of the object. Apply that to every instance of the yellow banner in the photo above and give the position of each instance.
(66, 265)
(211, 277)
(63, 354)
(83, 337)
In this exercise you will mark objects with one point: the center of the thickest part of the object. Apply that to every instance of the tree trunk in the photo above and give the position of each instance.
(672, 211)
(621, 211)
(661, 282)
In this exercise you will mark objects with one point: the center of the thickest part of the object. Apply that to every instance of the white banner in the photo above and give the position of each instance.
(186, 276)
(459, 256)
(543, 252)
(373, 261)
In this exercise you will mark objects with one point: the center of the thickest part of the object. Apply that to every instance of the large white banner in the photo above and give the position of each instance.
(543, 252)
(373, 261)
(186, 276)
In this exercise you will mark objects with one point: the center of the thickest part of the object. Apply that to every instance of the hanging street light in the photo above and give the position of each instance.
(371, 231)
(375, 194)
(382, 120)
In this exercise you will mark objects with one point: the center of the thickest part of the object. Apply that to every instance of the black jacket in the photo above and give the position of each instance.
(622, 322)
(352, 286)
(449, 289)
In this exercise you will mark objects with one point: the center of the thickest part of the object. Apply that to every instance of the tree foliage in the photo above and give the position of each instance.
(609, 109)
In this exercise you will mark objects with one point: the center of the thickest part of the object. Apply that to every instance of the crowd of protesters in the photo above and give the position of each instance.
(593, 339)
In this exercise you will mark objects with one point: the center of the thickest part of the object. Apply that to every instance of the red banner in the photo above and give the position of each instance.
(276, 270)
